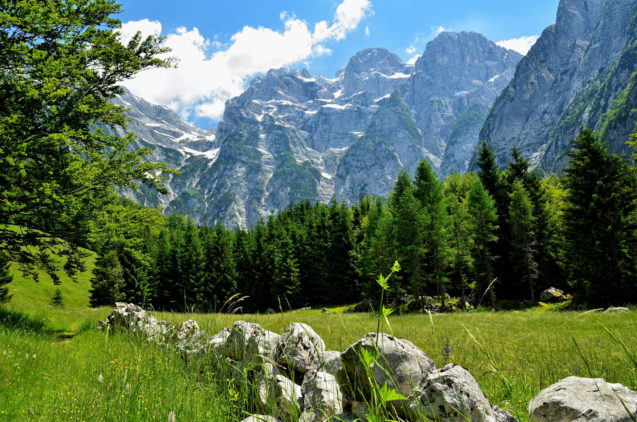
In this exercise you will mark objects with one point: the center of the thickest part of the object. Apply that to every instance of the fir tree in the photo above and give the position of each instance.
(107, 284)
(600, 228)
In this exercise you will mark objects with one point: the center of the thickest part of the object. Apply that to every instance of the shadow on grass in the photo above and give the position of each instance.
(14, 320)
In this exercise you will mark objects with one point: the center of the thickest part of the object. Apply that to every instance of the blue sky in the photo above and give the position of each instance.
(222, 45)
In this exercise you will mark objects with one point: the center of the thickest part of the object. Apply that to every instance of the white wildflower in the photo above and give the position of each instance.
(171, 417)
(100, 378)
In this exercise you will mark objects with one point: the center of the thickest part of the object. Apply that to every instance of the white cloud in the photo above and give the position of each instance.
(367, 31)
(410, 50)
(413, 59)
(439, 30)
(522, 45)
(202, 81)
(144, 26)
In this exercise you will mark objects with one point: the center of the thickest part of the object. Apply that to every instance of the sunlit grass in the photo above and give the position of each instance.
(515, 354)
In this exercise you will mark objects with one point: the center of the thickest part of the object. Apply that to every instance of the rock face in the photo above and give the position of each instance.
(293, 136)
(583, 399)
(171, 140)
(582, 71)
(452, 394)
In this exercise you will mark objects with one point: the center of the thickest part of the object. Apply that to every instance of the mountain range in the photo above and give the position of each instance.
(292, 135)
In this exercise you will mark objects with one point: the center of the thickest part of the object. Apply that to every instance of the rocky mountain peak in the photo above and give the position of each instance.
(374, 68)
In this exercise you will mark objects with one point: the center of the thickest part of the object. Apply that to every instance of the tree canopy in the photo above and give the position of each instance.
(60, 64)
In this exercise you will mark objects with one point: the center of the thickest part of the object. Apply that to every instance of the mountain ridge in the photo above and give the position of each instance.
(291, 135)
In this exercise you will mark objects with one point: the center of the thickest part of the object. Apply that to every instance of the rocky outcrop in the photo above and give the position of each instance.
(580, 72)
(584, 399)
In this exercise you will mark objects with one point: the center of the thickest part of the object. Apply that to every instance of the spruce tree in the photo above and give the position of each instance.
(483, 218)
(192, 262)
(496, 187)
(107, 284)
(429, 192)
(459, 232)
(164, 273)
(136, 273)
(57, 300)
(600, 228)
(340, 270)
(5, 278)
(523, 244)
(219, 267)
(408, 237)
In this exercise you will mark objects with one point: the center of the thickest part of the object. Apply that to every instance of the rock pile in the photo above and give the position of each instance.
(312, 384)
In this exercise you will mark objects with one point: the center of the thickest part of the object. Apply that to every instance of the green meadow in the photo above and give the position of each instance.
(55, 365)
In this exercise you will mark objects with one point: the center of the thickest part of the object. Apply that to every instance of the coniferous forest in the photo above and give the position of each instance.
(502, 235)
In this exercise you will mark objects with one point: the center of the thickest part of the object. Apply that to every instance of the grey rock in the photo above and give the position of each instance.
(240, 335)
(288, 395)
(262, 346)
(330, 361)
(400, 364)
(452, 394)
(583, 399)
(189, 339)
(300, 348)
(266, 383)
(552, 295)
(217, 343)
(322, 396)
(261, 418)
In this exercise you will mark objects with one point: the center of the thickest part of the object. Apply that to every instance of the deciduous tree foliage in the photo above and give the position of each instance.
(60, 64)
